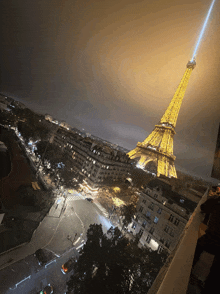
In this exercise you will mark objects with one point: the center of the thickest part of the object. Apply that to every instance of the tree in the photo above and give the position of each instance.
(32, 130)
(67, 175)
(25, 130)
(128, 212)
(110, 263)
(50, 152)
(60, 162)
(7, 118)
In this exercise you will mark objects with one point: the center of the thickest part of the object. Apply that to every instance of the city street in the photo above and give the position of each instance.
(37, 277)
(61, 231)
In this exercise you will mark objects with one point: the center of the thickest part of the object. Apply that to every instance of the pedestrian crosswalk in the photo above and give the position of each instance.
(75, 197)
(103, 210)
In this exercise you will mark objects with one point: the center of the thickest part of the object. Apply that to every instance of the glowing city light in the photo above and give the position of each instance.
(118, 202)
(116, 189)
(202, 31)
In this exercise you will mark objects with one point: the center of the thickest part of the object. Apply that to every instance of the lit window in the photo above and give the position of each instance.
(156, 219)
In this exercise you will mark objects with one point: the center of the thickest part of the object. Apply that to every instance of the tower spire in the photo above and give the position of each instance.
(155, 153)
(171, 114)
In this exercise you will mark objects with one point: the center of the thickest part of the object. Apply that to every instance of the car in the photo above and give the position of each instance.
(89, 199)
(47, 290)
(68, 266)
(41, 257)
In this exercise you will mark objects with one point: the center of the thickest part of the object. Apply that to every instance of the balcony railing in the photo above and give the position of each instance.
(174, 275)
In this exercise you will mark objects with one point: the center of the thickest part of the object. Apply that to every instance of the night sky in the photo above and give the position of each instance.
(112, 67)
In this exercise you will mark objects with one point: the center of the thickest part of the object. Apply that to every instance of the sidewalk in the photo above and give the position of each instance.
(57, 208)
(40, 237)
(46, 234)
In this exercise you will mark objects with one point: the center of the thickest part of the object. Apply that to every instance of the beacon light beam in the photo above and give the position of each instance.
(202, 31)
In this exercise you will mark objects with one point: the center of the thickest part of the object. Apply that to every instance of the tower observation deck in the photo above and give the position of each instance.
(155, 153)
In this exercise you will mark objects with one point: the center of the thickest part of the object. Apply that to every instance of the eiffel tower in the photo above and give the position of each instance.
(155, 153)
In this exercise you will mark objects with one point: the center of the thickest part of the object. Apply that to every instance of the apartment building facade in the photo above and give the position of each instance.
(161, 216)
(96, 161)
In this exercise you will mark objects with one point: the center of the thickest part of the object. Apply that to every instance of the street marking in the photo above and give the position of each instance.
(76, 241)
(75, 197)
(50, 262)
(22, 281)
(79, 246)
(53, 253)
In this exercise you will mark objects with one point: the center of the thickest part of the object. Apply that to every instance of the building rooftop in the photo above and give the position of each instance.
(172, 196)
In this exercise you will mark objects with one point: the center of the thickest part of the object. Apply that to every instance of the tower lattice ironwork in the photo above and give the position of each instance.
(155, 153)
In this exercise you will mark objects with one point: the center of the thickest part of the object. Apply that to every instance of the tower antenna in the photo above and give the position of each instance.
(202, 31)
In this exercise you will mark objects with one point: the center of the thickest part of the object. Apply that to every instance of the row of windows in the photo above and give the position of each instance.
(159, 211)
(176, 221)
(148, 239)
(156, 196)
(169, 231)
(167, 243)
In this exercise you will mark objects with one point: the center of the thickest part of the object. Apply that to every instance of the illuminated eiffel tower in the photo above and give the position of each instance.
(155, 153)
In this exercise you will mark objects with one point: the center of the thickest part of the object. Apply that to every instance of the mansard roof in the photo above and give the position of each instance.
(172, 196)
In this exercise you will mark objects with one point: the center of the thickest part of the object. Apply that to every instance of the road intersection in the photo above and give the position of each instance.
(62, 232)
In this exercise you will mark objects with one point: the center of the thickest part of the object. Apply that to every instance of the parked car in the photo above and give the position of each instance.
(89, 199)
(68, 266)
(47, 290)
(41, 257)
